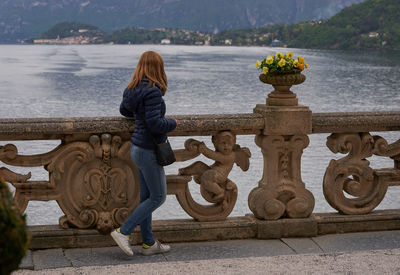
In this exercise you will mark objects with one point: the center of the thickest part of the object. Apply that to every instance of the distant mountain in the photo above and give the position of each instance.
(22, 19)
(373, 24)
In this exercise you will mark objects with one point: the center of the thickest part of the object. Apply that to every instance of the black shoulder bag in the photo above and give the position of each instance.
(165, 154)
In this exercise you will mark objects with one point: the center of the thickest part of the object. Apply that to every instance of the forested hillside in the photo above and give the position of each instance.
(68, 29)
(373, 24)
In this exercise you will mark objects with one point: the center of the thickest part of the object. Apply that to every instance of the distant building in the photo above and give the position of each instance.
(67, 40)
(45, 41)
(373, 35)
(276, 43)
(165, 42)
(315, 22)
(228, 41)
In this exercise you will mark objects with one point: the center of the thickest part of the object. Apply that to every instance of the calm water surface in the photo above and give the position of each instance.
(77, 81)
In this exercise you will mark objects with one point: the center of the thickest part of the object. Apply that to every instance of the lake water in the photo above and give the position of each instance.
(74, 81)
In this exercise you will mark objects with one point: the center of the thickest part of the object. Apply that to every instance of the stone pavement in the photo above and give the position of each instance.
(355, 253)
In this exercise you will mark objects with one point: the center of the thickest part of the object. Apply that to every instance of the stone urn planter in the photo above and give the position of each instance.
(282, 82)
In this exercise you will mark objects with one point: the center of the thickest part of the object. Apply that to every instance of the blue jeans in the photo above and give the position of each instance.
(153, 192)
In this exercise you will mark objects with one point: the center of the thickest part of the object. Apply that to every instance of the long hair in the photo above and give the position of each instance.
(151, 66)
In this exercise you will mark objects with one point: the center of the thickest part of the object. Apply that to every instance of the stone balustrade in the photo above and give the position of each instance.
(95, 184)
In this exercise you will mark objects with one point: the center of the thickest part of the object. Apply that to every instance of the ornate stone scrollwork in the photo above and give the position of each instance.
(94, 182)
(26, 190)
(281, 192)
(382, 148)
(215, 187)
(352, 175)
(98, 183)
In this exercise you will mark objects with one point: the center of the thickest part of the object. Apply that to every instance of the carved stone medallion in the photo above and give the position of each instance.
(96, 181)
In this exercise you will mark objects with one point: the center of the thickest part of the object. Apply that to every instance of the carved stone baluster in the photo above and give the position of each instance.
(281, 191)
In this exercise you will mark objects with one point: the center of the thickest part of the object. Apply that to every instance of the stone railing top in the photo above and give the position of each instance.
(191, 125)
(355, 122)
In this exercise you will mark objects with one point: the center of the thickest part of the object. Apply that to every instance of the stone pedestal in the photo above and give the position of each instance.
(281, 191)
(285, 120)
(282, 96)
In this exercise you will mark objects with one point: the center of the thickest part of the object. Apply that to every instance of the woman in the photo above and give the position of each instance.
(143, 100)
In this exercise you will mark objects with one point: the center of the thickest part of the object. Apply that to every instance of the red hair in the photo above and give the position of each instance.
(151, 66)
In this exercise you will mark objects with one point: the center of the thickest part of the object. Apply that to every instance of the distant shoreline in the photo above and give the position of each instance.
(225, 46)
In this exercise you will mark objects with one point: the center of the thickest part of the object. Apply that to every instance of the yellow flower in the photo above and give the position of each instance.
(270, 59)
(281, 63)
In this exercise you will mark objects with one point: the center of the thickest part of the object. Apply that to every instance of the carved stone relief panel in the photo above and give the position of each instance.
(215, 187)
(98, 183)
(94, 182)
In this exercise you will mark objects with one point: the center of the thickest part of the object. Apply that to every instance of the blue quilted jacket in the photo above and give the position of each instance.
(145, 103)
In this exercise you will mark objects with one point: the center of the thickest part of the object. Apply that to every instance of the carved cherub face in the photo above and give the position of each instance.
(224, 142)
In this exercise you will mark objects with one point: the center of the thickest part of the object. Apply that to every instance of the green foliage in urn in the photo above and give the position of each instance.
(14, 238)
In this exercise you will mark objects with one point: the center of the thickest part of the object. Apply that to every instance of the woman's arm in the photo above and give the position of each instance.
(125, 108)
(154, 120)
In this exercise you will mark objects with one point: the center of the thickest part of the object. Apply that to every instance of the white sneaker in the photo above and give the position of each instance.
(157, 247)
(122, 241)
